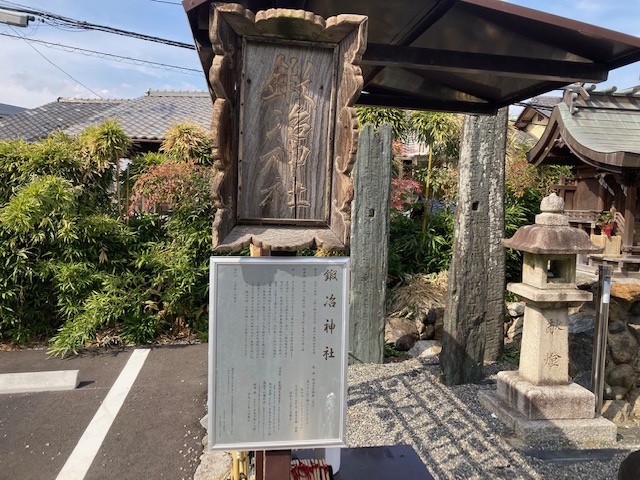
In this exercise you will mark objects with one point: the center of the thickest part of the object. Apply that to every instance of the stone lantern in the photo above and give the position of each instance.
(539, 395)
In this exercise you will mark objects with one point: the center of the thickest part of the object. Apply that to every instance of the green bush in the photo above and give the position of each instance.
(71, 266)
(412, 251)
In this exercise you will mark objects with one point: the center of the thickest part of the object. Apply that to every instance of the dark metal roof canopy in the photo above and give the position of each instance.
(470, 56)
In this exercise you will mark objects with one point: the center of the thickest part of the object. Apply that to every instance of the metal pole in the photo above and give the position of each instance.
(600, 338)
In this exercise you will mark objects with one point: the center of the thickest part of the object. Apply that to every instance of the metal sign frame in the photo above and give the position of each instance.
(278, 352)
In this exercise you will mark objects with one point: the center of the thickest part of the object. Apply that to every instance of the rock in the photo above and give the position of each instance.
(425, 349)
(635, 363)
(214, 465)
(584, 321)
(616, 410)
(515, 330)
(583, 379)
(634, 310)
(616, 327)
(585, 280)
(405, 342)
(622, 376)
(634, 401)
(618, 310)
(623, 346)
(635, 328)
(607, 393)
(633, 319)
(397, 327)
(204, 421)
(429, 332)
(619, 392)
(580, 352)
(430, 317)
(515, 309)
(629, 292)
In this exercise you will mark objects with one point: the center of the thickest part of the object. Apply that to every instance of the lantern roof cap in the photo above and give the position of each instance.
(552, 234)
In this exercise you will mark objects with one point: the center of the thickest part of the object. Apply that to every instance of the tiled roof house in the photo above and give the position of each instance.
(145, 119)
(7, 110)
(535, 116)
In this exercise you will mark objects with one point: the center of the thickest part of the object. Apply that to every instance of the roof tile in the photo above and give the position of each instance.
(143, 118)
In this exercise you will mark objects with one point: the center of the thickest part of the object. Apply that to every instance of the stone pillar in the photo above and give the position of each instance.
(474, 316)
(370, 245)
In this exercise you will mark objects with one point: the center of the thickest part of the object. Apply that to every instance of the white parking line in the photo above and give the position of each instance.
(87, 448)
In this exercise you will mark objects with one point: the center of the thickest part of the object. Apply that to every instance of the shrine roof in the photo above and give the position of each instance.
(457, 55)
(601, 129)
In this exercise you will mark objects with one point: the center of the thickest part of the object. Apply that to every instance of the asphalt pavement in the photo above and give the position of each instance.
(156, 434)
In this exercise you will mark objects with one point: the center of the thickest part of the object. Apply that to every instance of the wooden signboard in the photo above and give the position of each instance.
(278, 332)
(284, 126)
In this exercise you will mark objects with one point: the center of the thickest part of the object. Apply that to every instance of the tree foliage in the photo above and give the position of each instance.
(70, 267)
(187, 142)
(397, 118)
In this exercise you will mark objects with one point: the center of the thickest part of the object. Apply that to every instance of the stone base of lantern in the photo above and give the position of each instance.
(546, 402)
(538, 413)
(580, 433)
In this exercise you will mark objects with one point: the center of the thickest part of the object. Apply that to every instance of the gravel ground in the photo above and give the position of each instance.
(455, 436)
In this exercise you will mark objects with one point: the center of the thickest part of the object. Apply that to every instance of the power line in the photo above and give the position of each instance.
(60, 21)
(164, 1)
(119, 58)
(43, 56)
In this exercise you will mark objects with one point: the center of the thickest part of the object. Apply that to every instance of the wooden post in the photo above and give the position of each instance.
(474, 315)
(259, 251)
(629, 217)
(369, 245)
(276, 465)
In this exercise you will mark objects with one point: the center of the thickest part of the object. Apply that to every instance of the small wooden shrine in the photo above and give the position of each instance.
(596, 132)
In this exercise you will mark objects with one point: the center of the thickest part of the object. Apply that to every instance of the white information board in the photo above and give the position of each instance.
(278, 330)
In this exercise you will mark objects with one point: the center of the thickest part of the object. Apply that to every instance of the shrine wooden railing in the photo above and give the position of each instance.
(582, 216)
(619, 221)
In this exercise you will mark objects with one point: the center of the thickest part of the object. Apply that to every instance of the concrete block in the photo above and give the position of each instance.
(38, 381)
(580, 433)
(538, 402)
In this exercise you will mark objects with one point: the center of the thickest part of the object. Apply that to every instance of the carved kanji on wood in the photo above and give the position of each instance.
(284, 127)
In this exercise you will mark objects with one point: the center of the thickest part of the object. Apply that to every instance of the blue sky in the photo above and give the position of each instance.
(27, 80)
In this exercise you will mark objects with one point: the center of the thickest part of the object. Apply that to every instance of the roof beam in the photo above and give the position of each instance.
(467, 62)
(416, 103)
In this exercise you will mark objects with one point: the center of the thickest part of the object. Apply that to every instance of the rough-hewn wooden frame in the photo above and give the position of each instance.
(228, 24)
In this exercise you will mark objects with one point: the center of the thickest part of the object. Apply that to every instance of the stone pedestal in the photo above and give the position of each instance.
(576, 433)
(552, 402)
